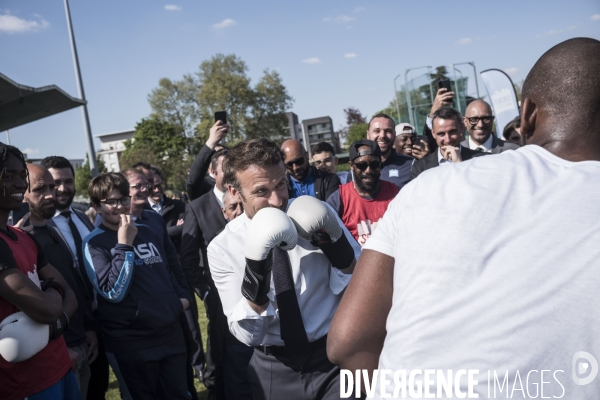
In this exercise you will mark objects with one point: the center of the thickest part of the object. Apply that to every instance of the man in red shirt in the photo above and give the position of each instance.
(34, 299)
(363, 201)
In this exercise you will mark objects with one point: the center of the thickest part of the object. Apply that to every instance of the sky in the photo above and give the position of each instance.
(331, 55)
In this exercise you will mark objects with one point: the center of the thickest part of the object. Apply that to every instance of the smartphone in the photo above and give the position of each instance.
(221, 116)
(444, 83)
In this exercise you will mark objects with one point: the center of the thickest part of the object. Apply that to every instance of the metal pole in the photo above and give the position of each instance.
(7, 138)
(84, 110)
(397, 98)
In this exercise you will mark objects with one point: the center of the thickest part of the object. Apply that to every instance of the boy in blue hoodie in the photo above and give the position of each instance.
(139, 300)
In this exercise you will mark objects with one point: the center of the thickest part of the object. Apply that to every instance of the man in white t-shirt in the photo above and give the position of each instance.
(495, 291)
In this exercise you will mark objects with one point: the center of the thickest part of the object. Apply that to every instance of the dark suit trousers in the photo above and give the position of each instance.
(271, 379)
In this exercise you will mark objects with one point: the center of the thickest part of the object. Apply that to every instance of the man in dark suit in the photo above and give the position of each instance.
(198, 183)
(479, 120)
(203, 221)
(172, 210)
(74, 225)
(447, 131)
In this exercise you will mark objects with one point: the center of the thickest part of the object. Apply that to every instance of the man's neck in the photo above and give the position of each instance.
(136, 210)
(387, 155)
(34, 220)
(4, 219)
(372, 194)
(110, 226)
(477, 142)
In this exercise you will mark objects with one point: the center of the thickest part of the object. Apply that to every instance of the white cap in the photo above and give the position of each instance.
(404, 128)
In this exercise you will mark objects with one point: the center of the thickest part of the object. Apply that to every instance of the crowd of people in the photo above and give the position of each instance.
(303, 269)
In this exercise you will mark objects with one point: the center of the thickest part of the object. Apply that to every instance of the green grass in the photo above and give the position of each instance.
(113, 385)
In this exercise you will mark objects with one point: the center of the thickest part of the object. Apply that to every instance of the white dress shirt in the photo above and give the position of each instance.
(156, 206)
(318, 285)
(63, 225)
(485, 147)
(219, 195)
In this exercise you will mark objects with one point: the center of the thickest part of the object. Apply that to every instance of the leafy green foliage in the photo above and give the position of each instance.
(83, 175)
(357, 132)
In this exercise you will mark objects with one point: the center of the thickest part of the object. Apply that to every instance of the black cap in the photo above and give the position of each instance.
(374, 149)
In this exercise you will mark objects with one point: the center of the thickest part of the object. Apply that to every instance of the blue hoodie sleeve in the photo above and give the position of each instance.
(110, 270)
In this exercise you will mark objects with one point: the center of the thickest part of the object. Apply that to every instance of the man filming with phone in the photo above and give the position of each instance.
(197, 185)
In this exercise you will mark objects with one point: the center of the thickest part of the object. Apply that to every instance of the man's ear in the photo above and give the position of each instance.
(234, 193)
(335, 160)
(528, 119)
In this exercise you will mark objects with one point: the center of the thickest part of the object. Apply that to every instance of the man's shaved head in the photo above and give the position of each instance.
(479, 104)
(561, 98)
(38, 172)
(295, 159)
(292, 145)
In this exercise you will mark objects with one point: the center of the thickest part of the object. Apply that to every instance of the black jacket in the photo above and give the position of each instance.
(203, 222)
(325, 184)
(498, 145)
(197, 185)
(431, 160)
(172, 211)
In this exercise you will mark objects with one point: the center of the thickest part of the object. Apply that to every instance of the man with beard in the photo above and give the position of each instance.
(280, 297)
(479, 120)
(74, 225)
(171, 210)
(448, 130)
(80, 336)
(362, 202)
(303, 179)
(35, 302)
(395, 167)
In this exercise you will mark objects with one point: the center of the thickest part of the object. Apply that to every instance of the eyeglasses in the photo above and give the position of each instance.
(298, 161)
(364, 165)
(125, 201)
(140, 186)
(327, 160)
(486, 119)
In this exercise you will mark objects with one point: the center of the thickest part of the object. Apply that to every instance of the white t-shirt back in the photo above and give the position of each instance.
(497, 268)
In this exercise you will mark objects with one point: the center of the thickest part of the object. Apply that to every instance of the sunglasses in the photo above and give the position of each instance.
(298, 161)
(114, 203)
(364, 165)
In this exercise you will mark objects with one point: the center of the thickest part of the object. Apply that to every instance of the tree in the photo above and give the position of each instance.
(353, 117)
(176, 102)
(271, 100)
(220, 84)
(357, 132)
(83, 175)
(159, 143)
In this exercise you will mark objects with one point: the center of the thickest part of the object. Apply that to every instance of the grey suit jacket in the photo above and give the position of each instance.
(498, 145)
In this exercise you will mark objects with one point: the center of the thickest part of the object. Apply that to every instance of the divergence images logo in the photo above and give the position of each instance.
(584, 363)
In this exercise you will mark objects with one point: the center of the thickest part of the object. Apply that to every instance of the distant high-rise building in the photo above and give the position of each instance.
(294, 127)
(320, 130)
(112, 145)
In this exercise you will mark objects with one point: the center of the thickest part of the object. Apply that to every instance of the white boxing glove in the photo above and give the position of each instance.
(21, 337)
(311, 215)
(316, 222)
(269, 228)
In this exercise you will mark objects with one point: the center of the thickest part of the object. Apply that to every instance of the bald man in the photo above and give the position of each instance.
(506, 298)
(479, 120)
(304, 179)
(80, 337)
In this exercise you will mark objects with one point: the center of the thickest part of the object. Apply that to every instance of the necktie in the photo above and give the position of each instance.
(78, 248)
(480, 149)
(293, 333)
